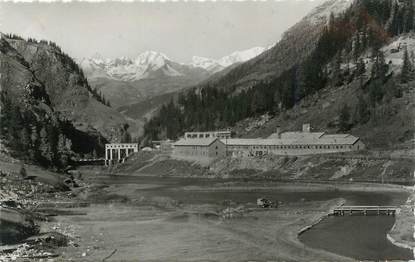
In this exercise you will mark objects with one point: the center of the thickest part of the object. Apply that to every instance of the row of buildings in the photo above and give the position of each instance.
(207, 146)
(204, 147)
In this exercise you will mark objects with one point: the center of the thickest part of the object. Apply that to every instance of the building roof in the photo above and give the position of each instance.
(196, 141)
(301, 135)
(208, 132)
(336, 136)
(341, 139)
(121, 145)
(256, 142)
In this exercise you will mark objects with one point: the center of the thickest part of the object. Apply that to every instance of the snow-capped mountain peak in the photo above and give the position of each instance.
(202, 61)
(322, 12)
(127, 69)
(214, 66)
(97, 57)
(208, 64)
(240, 56)
(152, 58)
(152, 63)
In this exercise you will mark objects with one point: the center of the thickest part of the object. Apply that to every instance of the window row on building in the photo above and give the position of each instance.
(274, 147)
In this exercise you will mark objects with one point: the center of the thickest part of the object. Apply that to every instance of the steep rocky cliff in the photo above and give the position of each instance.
(67, 88)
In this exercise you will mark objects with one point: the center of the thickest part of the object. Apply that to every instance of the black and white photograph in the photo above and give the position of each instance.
(210, 130)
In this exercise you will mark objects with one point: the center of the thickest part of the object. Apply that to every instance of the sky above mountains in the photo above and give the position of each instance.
(180, 30)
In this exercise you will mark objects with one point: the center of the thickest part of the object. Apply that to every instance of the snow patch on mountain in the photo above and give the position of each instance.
(208, 64)
(150, 62)
(170, 71)
(322, 12)
(214, 66)
(394, 52)
(127, 69)
(240, 56)
(151, 58)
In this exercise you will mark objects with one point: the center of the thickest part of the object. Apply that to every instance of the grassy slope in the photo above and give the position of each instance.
(393, 127)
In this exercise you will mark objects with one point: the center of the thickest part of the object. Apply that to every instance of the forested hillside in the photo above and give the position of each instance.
(49, 113)
(348, 50)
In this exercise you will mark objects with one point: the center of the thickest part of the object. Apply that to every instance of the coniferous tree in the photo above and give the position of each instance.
(277, 101)
(25, 140)
(22, 172)
(44, 146)
(406, 67)
(380, 68)
(362, 113)
(344, 118)
(337, 72)
(356, 48)
(34, 143)
(408, 20)
(364, 37)
(15, 125)
(360, 67)
(62, 150)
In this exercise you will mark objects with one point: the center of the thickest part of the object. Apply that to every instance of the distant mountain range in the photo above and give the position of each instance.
(216, 65)
(241, 70)
(127, 81)
(152, 64)
(130, 84)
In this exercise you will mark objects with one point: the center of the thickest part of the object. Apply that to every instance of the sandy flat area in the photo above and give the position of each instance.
(135, 232)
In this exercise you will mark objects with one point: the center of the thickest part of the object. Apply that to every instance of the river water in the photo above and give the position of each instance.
(358, 237)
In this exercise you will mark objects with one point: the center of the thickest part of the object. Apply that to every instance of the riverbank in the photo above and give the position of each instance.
(25, 192)
(331, 168)
(195, 232)
(151, 225)
(402, 233)
(299, 185)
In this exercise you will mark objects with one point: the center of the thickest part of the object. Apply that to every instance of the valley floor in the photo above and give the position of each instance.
(148, 225)
(115, 217)
(193, 233)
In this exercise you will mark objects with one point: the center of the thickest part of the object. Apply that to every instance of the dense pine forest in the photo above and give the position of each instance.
(41, 137)
(364, 28)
